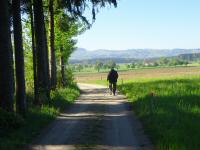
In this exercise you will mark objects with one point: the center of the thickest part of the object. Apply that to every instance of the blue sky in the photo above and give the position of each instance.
(145, 24)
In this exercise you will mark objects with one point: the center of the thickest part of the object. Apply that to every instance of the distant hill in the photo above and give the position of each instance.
(190, 57)
(92, 61)
(81, 54)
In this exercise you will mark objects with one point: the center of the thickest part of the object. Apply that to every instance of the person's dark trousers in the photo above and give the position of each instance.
(113, 87)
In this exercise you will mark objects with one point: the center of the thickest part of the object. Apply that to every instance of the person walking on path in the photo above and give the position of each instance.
(112, 78)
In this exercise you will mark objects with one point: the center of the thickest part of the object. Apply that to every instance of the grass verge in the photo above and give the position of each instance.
(169, 110)
(17, 132)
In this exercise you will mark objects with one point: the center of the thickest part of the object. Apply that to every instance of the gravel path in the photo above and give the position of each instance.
(97, 121)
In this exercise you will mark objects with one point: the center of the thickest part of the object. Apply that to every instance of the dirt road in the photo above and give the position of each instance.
(97, 121)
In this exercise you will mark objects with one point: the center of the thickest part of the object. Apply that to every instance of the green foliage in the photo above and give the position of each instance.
(133, 65)
(79, 67)
(164, 61)
(128, 66)
(16, 132)
(10, 120)
(77, 8)
(69, 77)
(28, 57)
(117, 67)
(111, 64)
(170, 62)
(61, 97)
(65, 30)
(155, 64)
(35, 120)
(169, 109)
(175, 62)
(98, 65)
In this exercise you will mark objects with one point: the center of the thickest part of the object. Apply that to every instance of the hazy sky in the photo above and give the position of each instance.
(145, 24)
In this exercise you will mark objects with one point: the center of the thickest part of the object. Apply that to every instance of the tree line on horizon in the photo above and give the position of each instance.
(51, 26)
(98, 65)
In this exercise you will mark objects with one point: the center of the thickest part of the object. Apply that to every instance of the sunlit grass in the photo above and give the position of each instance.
(169, 109)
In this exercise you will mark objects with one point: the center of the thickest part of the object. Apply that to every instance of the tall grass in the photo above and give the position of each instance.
(169, 109)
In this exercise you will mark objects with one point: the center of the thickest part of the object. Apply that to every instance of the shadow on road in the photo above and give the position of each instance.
(95, 121)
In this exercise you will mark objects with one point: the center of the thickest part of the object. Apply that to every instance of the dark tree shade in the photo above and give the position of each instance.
(41, 52)
(34, 55)
(19, 59)
(52, 46)
(6, 59)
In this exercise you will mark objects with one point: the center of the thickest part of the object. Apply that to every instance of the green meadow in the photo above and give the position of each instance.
(169, 110)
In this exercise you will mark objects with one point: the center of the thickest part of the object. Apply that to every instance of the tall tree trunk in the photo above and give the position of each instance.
(62, 63)
(6, 60)
(36, 100)
(42, 52)
(19, 59)
(11, 37)
(52, 46)
(47, 75)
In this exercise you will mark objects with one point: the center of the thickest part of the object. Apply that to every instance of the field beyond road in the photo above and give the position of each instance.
(138, 74)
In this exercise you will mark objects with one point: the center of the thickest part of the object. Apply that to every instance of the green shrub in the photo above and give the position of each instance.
(16, 132)
(61, 97)
(10, 120)
(69, 77)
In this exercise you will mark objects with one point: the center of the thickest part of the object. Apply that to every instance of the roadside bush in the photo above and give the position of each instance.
(10, 120)
(69, 77)
(16, 132)
(61, 97)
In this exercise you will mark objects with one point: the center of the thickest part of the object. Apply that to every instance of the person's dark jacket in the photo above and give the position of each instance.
(112, 76)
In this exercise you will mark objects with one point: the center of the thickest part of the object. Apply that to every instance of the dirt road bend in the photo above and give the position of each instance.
(97, 121)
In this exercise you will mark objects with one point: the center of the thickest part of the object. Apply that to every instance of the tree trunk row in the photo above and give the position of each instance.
(6, 60)
(42, 64)
(41, 72)
(19, 59)
(52, 46)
